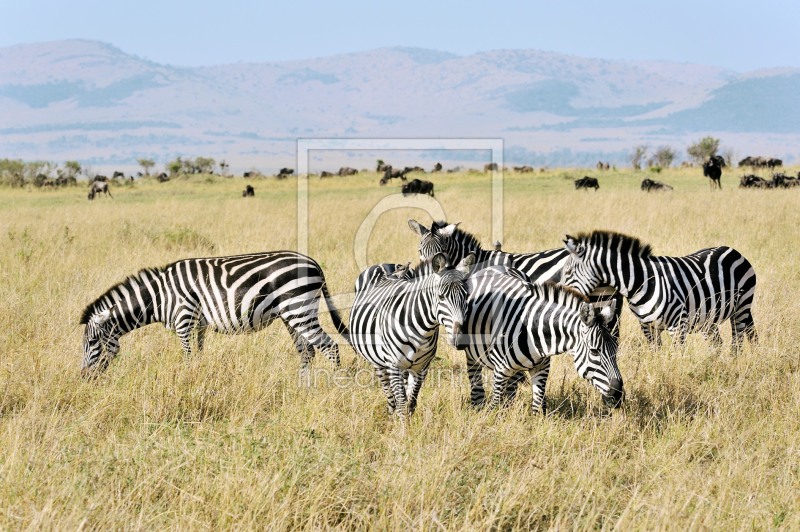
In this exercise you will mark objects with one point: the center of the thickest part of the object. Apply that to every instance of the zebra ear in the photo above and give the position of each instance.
(466, 264)
(587, 314)
(448, 230)
(439, 262)
(101, 317)
(572, 246)
(417, 227)
(606, 312)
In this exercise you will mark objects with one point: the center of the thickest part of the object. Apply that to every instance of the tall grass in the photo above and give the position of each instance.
(230, 437)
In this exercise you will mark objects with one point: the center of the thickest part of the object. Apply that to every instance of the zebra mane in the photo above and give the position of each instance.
(421, 270)
(466, 239)
(95, 305)
(555, 292)
(611, 239)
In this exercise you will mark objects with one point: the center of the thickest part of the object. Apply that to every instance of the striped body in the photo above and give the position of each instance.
(394, 323)
(514, 326)
(231, 295)
(679, 294)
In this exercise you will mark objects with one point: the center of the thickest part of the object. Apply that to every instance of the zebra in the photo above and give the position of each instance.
(234, 294)
(679, 294)
(538, 267)
(394, 323)
(515, 326)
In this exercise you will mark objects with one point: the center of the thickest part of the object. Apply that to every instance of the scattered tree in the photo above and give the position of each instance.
(638, 156)
(146, 164)
(175, 166)
(203, 165)
(72, 169)
(700, 151)
(664, 156)
(223, 167)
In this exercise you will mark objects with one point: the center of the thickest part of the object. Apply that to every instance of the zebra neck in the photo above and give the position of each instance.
(635, 276)
(140, 300)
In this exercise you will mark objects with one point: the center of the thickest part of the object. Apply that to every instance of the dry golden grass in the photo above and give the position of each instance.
(230, 438)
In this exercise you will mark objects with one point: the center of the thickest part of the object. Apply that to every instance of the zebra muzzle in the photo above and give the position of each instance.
(615, 394)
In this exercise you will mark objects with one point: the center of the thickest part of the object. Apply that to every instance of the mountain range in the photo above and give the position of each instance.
(89, 101)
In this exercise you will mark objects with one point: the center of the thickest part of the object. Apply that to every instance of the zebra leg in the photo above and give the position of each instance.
(414, 386)
(301, 345)
(712, 335)
(202, 327)
(652, 334)
(539, 374)
(311, 331)
(398, 389)
(513, 386)
(502, 377)
(742, 324)
(185, 323)
(383, 377)
(474, 372)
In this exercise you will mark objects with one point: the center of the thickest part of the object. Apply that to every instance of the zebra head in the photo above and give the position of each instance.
(596, 352)
(435, 240)
(451, 294)
(578, 272)
(99, 343)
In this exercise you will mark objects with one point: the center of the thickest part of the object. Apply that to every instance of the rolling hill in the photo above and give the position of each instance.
(90, 101)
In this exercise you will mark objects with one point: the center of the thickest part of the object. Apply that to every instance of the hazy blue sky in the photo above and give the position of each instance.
(734, 34)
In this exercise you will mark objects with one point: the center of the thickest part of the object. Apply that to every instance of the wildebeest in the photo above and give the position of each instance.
(346, 170)
(753, 181)
(409, 169)
(712, 169)
(603, 166)
(523, 169)
(437, 168)
(325, 174)
(587, 183)
(761, 162)
(99, 187)
(162, 177)
(248, 191)
(100, 178)
(285, 172)
(490, 167)
(779, 180)
(118, 174)
(649, 185)
(390, 173)
(249, 174)
(418, 186)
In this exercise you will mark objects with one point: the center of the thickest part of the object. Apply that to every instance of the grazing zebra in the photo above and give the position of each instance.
(680, 294)
(394, 323)
(231, 295)
(537, 267)
(515, 326)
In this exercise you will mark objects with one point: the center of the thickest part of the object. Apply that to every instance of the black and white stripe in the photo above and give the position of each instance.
(680, 294)
(514, 326)
(394, 322)
(539, 267)
(231, 295)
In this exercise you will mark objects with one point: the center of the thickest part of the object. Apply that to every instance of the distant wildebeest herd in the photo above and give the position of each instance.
(712, 169)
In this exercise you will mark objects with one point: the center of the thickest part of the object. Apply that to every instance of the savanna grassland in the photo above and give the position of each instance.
(229, 438)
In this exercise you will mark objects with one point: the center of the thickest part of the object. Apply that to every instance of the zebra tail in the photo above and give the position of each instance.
(341, 328)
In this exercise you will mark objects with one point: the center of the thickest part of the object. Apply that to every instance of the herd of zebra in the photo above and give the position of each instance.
(509, 312)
